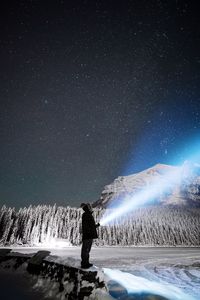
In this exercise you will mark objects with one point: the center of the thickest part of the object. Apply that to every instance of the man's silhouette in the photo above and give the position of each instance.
(89, 233)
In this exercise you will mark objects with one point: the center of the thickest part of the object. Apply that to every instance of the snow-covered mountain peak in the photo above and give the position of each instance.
(189, 190)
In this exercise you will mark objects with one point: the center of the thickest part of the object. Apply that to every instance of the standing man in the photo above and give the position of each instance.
(89, 233)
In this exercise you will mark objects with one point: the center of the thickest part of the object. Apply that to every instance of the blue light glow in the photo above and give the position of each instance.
(189, 153)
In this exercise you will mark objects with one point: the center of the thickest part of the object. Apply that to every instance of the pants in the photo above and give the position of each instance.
(85, 250)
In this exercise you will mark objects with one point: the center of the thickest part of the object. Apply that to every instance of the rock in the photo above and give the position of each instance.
(57, 279)
(36, 261)
(3, 253)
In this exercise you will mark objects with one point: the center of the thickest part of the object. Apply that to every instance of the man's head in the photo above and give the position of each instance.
(86, 207)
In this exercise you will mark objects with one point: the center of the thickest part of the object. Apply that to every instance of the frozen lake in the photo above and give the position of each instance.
(126, 257)
(179, 267)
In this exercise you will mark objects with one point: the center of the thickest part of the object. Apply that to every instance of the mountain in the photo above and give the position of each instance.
(184, 192)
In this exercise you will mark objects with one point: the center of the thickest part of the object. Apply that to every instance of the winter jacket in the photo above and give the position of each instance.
(88, 226)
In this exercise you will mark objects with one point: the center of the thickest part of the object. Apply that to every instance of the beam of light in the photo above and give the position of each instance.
(149, 193)
(139, 285)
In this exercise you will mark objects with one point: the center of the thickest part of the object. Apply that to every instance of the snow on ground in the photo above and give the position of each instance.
(178, 267)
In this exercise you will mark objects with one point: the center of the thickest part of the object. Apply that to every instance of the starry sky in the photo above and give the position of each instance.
(91, 90)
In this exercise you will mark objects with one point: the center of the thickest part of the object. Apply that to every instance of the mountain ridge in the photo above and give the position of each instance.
(187, 192)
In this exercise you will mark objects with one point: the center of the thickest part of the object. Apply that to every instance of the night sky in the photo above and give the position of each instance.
(91, 90)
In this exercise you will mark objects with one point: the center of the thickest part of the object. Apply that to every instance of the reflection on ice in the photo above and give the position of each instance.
(139, 285)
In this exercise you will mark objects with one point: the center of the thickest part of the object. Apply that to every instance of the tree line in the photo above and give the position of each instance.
(153, 226)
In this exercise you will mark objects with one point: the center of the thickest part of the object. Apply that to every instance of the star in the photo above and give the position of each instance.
(91, 92)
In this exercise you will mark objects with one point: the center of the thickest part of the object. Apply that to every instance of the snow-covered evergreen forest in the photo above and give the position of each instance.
(156, 226)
